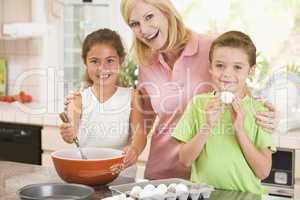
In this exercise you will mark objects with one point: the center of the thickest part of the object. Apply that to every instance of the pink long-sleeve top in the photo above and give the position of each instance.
(170, 91)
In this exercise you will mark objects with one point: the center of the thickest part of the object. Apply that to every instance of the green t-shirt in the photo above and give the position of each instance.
(221, 162)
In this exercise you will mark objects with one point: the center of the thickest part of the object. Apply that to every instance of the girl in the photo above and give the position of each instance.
(104, 114)
(222, 142)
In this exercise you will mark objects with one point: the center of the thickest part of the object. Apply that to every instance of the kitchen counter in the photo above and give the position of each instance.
(13, 176)
(30, 113)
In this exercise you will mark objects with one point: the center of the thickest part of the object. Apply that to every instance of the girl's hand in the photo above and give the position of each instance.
(238, 114)
(268, 120)
(67, 132)
(131, 155)
(69, 98)
(212, 111)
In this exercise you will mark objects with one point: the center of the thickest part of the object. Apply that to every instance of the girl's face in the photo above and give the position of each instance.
(230, 68)
(149, 25)
(102, 64)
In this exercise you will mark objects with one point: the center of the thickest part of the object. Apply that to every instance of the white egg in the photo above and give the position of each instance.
(145, 193)
(162, 188)
(149, 187)
(226, 97)
(159, 191)
(135, 191)
(180, 188)
(120, 197)
(172, 187)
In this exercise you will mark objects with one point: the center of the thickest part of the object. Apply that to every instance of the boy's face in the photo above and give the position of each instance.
(230, 68)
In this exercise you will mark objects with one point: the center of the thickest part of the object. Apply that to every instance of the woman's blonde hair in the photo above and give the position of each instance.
(178, 33)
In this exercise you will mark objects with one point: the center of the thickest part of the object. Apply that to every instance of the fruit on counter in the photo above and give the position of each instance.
(8, 99)
(21, 97)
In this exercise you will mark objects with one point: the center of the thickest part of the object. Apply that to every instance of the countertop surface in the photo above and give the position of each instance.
(31, 113)
(13, 176)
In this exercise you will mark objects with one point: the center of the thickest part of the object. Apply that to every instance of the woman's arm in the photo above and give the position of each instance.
(139, 138)
(268, 120)
(145, 107)
(260, 160)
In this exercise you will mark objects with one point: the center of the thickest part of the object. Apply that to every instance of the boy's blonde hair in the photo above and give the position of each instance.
(235, 39)
(178, 33)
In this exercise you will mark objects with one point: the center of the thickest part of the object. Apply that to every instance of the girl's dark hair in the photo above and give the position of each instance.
(103, 36)
(235, 39)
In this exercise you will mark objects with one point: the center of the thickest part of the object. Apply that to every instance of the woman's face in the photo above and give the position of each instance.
(149, 25)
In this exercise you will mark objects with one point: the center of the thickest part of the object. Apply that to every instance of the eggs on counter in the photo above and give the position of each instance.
(150, 190)
(118, 197)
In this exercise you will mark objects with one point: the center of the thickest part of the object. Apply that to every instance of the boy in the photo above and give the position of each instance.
(221, 140)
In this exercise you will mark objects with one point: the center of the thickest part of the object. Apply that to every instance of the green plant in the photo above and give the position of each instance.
(262, 71)
(128, 73)
(292, 71)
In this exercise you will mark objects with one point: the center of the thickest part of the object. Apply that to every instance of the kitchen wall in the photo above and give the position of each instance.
(33, 63)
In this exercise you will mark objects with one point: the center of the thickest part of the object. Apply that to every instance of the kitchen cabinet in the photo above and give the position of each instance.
(22, 22)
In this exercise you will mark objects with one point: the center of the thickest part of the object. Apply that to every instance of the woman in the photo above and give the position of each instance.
(173, 64)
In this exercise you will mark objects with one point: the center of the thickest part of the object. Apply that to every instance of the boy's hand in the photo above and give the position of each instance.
(238, 114)
(212, 111)
(131, 156)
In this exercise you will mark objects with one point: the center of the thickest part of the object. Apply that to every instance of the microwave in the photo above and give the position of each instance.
(281, 180)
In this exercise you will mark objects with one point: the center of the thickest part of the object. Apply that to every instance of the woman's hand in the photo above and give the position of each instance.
(238, 115)
(67, 132)
(268, 120)
(69, 98)
(131, 156)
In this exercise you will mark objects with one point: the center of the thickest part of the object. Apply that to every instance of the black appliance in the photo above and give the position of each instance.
(281, 180)
(20, 143)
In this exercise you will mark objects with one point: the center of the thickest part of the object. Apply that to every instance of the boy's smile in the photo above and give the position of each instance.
(230, 68)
